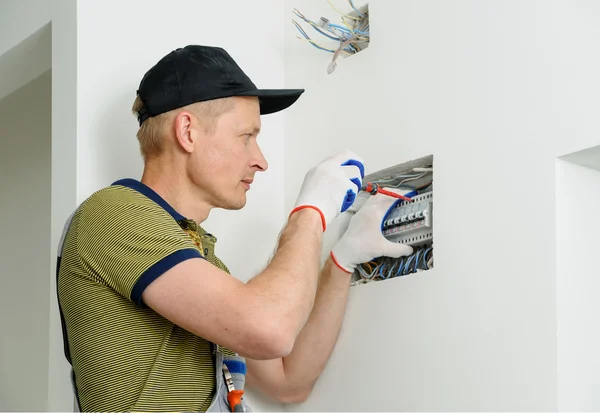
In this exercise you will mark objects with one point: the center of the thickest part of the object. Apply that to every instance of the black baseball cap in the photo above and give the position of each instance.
(199, 73)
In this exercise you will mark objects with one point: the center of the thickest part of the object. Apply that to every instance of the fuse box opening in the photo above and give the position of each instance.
(409, 222)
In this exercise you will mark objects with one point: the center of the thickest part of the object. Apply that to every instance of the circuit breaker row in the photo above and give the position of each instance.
(410, 222)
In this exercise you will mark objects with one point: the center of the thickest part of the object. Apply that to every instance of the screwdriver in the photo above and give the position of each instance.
(375, 189)
(234, 397)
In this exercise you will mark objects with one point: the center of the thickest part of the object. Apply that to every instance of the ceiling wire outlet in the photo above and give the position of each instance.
(342, 40)
(410, 222)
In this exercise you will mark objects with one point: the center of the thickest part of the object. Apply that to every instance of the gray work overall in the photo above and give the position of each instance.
(237, 368)
(235, 365)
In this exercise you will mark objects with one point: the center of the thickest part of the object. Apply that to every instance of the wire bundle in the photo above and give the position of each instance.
(400, 181)
(351, 38)
(384, 268)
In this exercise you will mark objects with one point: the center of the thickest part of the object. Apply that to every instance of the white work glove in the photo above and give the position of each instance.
(331, 187)
(363, 241)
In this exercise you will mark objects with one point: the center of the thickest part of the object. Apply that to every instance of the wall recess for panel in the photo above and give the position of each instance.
(409, 222)
(341, 40)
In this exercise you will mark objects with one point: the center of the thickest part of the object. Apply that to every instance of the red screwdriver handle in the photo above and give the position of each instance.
(374, 189)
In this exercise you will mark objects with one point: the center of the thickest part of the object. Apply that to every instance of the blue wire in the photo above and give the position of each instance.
(363, 272)
(390, 272)
(345, 29)
(400, 268)
(407, 266)
(417, 262)
(342, 28)
(314, 26)
(381, 269)
(325, 34)
(372, 275)
(391, 269)
(355, 9)
(302, 32)
(308, 38)
(425, 256)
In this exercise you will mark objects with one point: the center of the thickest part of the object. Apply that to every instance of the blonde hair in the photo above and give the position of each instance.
(151, 132)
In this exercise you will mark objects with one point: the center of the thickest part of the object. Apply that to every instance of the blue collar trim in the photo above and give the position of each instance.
(149, 192)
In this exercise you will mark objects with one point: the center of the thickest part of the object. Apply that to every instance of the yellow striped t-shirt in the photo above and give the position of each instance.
(125, 356)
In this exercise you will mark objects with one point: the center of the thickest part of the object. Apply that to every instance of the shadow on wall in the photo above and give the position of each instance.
(577, 282)
(25, 171)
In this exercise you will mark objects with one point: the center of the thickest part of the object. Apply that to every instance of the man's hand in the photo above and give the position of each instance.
(363, 240)
(331, 186)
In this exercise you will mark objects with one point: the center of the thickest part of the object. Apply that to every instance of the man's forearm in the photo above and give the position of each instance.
(288, 285)
(317, 339)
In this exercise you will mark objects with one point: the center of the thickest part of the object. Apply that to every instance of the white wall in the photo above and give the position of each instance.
(577, 225)
(26, 61)
(111, 62)
(64, 178)
(25, 143)
(495, 90)
(23, 24)
(22, 18)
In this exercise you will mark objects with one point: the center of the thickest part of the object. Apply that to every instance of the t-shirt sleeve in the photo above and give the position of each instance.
(129, 241)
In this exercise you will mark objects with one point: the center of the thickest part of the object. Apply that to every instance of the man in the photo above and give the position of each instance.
(151, 318)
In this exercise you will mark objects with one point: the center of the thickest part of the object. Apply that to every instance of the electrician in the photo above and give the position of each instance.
(152, 321)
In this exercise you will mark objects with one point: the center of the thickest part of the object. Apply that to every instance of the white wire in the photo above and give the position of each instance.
(412, 179)
(395, 178)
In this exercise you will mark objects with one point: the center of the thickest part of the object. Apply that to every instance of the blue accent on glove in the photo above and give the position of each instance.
(357, 164)
(235, 366)
(351, 195)
(358, 184)
(348, 200)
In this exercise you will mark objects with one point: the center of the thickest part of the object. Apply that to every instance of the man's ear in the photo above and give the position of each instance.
(184, 133)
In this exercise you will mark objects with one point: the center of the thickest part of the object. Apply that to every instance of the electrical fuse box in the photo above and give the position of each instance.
(409, 222)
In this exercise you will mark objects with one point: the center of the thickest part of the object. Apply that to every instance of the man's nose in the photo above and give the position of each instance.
(258, 160)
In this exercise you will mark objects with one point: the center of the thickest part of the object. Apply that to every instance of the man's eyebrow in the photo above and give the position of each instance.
(255, 129)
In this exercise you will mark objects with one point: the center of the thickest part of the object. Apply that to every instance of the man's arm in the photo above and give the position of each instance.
(290, 379)
(259, 319)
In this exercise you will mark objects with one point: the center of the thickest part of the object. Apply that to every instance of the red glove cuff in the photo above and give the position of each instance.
(312, 207)
(338, 264)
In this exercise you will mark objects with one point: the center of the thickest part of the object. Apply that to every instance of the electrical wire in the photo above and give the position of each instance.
(307, 38)
(395, 178)
(355, 9)
(342, 13)
(350, 38)
(314, 25)
(425, 257)
(385, 268)
(413, 178)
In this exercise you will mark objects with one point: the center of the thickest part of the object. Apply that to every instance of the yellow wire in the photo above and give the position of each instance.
(344, 14)
(346, 24)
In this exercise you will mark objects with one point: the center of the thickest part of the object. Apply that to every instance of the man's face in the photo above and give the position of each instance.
(225, 162)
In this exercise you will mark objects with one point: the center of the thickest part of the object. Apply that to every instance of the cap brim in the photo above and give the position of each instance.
(274, 100)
